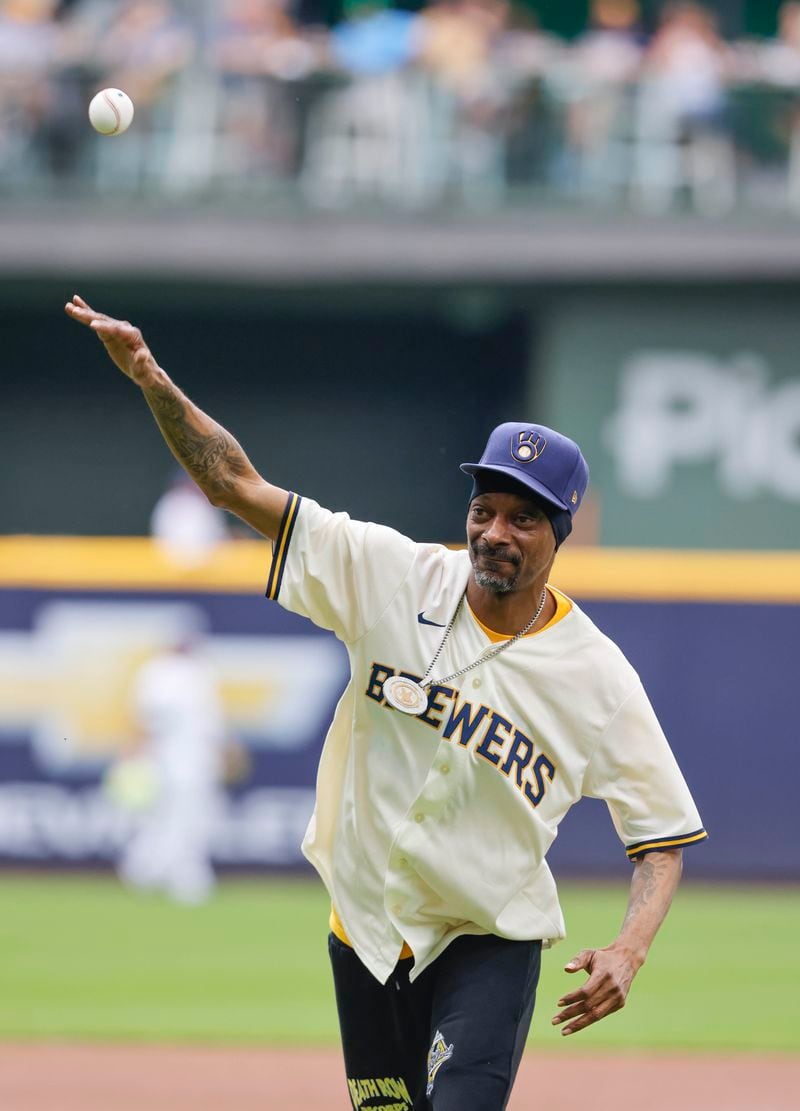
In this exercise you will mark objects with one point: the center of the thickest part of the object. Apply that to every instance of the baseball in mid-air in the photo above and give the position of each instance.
(111, 112)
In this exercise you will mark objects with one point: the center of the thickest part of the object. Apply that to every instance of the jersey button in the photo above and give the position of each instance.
(402, 862)
(476, 682)
(419, 818)
(444, 769)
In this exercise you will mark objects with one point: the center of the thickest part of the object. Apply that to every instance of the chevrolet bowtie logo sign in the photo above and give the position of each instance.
(67, 682)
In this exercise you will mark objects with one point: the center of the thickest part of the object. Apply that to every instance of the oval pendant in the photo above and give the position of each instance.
(405, 695)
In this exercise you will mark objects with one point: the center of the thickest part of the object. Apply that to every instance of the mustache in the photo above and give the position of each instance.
(481, 548)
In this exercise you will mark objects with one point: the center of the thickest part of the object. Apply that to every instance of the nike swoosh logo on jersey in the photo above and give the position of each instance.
(424, 621)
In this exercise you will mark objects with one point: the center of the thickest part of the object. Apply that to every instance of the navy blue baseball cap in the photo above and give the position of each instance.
(540, 459)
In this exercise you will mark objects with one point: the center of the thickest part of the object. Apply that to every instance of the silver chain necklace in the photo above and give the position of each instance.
(411, 697)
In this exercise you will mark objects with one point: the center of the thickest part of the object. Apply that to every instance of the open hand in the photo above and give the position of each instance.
(611, 973)
(123, 342)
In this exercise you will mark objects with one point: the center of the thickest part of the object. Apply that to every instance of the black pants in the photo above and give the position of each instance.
(451, 1040)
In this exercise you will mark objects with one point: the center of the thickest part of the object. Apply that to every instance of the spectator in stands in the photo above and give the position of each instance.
(372, 132)
(681, 123)
(780, 57)
(259, 51)
(460, 47)
(686, 66)
(374, 38)
(457, 43)
(779, 66)
(525, 54)
(593, 82)
(261, 37)
(525, 47)
(29, 47)
(143, 47)
(610, 49)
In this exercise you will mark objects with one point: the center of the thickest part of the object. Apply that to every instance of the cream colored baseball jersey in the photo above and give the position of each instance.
(429, 827)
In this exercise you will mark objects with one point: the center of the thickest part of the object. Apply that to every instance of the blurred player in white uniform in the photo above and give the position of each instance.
(483, 703)
(179, 716)
(183, 524)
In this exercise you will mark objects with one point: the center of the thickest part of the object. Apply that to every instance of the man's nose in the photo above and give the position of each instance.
(497, 532)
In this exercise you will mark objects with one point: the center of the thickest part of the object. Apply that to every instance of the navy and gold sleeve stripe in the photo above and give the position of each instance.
(280, 548)
(659, 844)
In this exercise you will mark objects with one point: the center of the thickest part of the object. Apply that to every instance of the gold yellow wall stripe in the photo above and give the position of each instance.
(666, 575)
(118, 563)
(112, 563)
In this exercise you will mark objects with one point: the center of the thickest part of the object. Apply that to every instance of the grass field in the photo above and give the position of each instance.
(84, 959)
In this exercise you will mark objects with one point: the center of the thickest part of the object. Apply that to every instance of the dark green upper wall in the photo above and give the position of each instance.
(737, 17)
(366, 409)
(569, 17)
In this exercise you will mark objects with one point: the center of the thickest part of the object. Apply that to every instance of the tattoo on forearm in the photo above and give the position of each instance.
(211, 455)
(653, 887)
(643, 889)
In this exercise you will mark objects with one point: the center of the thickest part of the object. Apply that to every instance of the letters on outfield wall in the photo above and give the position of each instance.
(687, 407)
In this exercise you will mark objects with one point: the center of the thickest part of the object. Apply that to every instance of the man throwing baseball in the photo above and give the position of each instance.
(482, 704)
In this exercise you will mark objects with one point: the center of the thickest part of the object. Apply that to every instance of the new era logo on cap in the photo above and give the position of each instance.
(547, 462)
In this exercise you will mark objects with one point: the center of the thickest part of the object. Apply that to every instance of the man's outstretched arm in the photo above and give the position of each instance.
(611, 970)
(210, 455)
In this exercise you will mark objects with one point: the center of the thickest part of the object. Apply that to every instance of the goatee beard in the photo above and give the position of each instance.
(496, 583)
(490, 580)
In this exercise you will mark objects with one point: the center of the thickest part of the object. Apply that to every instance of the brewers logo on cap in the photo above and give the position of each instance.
(527, 446)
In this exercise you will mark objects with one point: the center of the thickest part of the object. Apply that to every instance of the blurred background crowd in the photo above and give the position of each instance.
(651, 106)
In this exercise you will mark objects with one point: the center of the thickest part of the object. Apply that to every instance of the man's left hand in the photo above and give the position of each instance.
(611, 973)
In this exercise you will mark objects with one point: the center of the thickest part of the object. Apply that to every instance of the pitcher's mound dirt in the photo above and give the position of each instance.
(159, 1078)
